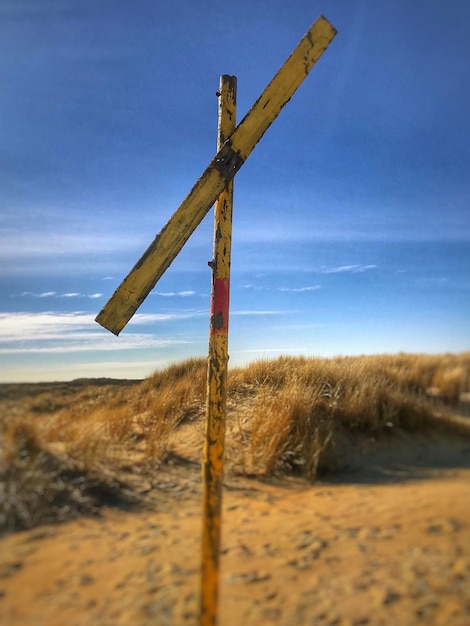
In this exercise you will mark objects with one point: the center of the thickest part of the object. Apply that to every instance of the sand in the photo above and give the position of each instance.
(383, 542)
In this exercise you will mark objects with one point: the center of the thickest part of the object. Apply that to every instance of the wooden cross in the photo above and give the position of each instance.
(216, 184)
(223, 167)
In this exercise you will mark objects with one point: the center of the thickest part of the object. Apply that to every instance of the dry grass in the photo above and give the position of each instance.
(301, 403)
(66, 449)
(38, 486)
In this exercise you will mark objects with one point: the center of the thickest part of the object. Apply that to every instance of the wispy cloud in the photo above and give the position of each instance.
(298, 289)
(57, 247)
(254, 312)
(54, 294)
(355, 269)
(173, 294)
(91, 343)
(79, 239)
(283, 289)
(53, 332)
(152, 318)
(308, 224)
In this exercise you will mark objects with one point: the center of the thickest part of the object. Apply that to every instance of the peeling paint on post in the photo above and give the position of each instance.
(217, 371)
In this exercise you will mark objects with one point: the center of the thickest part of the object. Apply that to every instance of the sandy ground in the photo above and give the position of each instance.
(387, 542)
(384, 541)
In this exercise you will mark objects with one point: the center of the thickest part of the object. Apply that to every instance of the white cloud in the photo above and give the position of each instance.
(355, 269)
(54, 294)
(151, 318)
(366, 268)
(34, 244)
(53, 332)
(283, 289)
(172, 294)
(298, 289)
(250, 312)
(92, 342)
(54, 246)
(31, 294)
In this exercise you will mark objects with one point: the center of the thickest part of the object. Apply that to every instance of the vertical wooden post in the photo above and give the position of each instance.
(217, 370)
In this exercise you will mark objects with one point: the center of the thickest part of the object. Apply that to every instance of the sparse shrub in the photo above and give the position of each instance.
(291, 428)
(36, 487)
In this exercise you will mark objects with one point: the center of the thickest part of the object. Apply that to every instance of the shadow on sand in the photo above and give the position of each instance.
(400, 457)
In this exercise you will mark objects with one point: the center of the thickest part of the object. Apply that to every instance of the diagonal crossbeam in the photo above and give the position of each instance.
(223, 167)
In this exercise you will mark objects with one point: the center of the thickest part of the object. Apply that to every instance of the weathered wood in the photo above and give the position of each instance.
(214, 434)
(223, 167)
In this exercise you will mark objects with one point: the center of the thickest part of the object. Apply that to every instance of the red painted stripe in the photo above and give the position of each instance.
(220, 306)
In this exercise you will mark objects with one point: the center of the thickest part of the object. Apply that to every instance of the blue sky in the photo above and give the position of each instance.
(351, 229)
